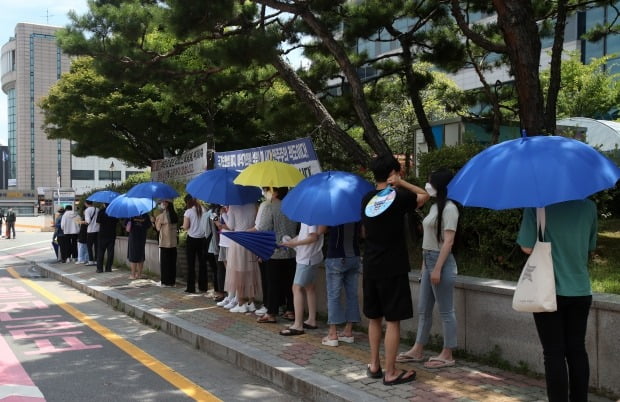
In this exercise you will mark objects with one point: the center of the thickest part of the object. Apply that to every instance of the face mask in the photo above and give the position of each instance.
(430, 190)
(268, 195)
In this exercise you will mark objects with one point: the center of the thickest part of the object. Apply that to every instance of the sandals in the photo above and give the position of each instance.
(374, 374)
(329, 342)
(437, 363)
(401, 379)
(346, 339)
(289, 316)
(263, 319)
(405, 358)
(308, 326)
(291, 332)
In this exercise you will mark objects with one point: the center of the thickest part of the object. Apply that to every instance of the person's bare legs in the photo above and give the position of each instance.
(347, 330)
(298, 302)
(132, 265)
(416, 351)
(391, 343)
(139, 267)
(374, 340)
(311, 299)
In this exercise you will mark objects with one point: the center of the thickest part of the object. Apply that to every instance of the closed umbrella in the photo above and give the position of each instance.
(261, 243)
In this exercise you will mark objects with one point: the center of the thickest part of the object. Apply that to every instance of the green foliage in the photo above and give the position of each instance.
(484, 237)
(588, 90)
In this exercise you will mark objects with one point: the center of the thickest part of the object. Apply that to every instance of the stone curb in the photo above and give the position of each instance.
(278, 371)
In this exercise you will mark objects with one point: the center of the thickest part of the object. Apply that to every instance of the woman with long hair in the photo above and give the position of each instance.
(166, 224)
(439, 272)
(195, 246)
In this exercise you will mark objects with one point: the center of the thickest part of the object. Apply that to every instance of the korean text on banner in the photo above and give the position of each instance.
(299, 153)
(180, 168)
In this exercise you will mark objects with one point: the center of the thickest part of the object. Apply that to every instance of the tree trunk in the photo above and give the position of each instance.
(520, 32)
(414, 94)
(555, 70)
(322, 114)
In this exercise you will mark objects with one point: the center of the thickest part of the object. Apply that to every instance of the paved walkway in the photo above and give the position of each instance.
(300, 364)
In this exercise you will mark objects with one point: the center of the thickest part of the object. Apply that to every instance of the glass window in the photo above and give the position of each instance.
(109, 175)
(82, 175)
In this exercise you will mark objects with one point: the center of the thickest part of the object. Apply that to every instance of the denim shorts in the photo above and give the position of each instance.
(305, 274)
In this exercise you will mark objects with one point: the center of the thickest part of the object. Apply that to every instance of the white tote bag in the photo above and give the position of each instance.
(535, 292)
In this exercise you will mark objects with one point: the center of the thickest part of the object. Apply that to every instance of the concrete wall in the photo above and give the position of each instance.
(485, 320)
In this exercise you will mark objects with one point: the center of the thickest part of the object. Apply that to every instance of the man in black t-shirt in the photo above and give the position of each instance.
(386, 264)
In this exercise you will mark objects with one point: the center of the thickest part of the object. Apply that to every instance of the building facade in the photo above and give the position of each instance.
(31, 63)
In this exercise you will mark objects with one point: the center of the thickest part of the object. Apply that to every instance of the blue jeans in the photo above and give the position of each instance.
(443, 293)
(82, 252)
(342, 273)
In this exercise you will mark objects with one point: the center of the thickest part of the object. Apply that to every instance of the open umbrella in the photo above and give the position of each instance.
(105, 196)
(269, 174)
(216, 186)
(152, 189)
(127, 207)
(532, 172)
(261, 243)
(328, 198)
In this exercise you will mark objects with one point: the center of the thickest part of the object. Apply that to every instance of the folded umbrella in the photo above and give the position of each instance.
(329, 198)
(104, 196)
(532, 172)
(216, 187)
(128, 207)
(261, 243)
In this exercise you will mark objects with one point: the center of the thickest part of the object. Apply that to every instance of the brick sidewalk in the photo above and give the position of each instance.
(298, 363)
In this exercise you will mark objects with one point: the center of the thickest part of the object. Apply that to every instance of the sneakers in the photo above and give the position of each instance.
(250, 307)
(231, 303)
(90, 263)
(224, 302)
(240, 308)
(261, 311)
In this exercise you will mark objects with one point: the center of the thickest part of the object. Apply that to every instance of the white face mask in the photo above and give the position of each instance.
(268, 195)
(430, 190)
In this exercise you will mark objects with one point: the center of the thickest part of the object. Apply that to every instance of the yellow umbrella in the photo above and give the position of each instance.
(269, 174)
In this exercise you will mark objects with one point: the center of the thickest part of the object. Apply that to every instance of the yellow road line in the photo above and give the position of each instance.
(190, 388)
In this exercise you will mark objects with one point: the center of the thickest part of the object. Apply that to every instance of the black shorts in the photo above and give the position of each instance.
(389, 298)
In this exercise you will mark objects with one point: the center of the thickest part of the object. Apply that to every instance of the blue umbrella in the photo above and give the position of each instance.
(217, 187)
(105, 196)
(532, 172)
(152, 189)
(329, 198)
(261, 243)
(127, 207)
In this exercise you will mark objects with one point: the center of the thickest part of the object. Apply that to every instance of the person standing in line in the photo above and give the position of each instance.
(224, 243)
(342, 269)
(212, 237)
(195, 245)
(242, 265)
(106, 239)
(166, 224)
(572, 229)
(308, 245)
(70, 224)
(59, 235)
(82, 243)
(281, 265)
(10, 223)
(2, 218)
(439, 272)
(136, 243)
(262, 265)
(386, 264)
(90, 215)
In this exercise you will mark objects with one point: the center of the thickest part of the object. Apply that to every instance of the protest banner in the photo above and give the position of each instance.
(180, 168)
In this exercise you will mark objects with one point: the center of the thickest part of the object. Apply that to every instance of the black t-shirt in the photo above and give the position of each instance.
(386, 254)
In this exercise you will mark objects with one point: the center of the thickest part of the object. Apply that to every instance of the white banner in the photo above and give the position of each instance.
(180, 168)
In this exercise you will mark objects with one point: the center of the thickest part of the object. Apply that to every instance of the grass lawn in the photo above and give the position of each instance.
(604, 266)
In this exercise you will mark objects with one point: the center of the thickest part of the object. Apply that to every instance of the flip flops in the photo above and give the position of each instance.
(401, 379)
(374, 374)
(437, 363)
(291, 332)
(308, 326)
(346, 339)
(405, 358)
(329, 342)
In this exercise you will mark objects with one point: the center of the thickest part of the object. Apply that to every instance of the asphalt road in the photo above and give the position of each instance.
(58, 344)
